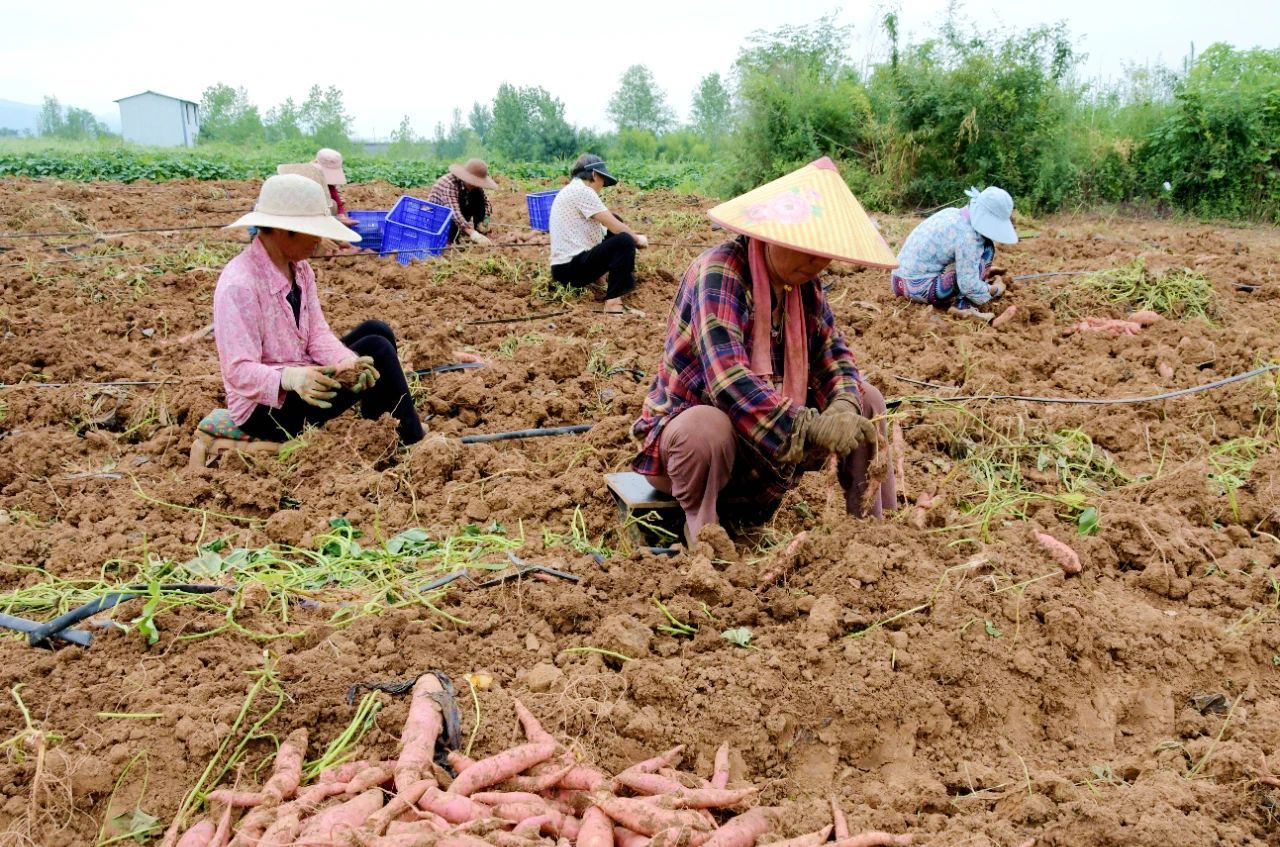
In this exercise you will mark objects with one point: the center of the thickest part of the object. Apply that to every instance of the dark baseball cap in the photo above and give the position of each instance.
(591, 163)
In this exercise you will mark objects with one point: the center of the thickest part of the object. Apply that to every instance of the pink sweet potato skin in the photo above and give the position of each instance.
(503, 766)
(328, 826)
(741, 831)
(197, 836)
(596, 829)
(421, 728)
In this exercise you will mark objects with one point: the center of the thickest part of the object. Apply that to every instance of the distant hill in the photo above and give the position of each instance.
(19, 116)
(24, 116)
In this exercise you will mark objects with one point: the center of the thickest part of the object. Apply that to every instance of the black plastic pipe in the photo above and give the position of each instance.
(525, 433)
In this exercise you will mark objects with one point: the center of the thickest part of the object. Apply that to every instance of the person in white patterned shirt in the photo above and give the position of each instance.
(580, 251)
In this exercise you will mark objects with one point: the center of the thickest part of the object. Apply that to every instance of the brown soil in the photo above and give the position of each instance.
(995, 712)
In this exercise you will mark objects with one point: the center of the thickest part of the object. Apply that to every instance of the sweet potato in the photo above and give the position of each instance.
(452, 807)
(720, 770)
(657, 762)
(838, 819)
(418, 737)
(253, 825)
(874, 839)
(623, 837)
(287, 775)
(462, 839)
(583, 778)
(198, 835)
(1004, 317)
(371, 777)
(688, 780)
(649, 783)
(426, 827)
(596, 829)
(1146, 317)
(236, 799)
(282, 832)
(222, 834)
(1060, 552)
(533, 730)
(645, 817)
(812, 839)
(327, 827)
(742, 831)
(540, 783)
(458, 761)
(502, 798)
(505, 765)
(344, 772)
(407, 799)
(532, 827)
(706, 798)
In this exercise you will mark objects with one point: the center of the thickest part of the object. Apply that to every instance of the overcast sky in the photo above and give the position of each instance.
(425, 58)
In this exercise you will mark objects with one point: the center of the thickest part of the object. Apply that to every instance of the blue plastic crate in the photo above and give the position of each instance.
(415, 229)
(540, 209)
(369, 224)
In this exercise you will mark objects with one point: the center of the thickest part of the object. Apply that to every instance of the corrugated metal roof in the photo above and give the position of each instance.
(158, 94)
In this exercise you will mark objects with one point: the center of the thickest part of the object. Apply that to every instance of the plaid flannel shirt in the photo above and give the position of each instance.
(446, 191)
(706, 360)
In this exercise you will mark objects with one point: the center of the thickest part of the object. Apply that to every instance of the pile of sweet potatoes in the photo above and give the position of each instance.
(535, 794)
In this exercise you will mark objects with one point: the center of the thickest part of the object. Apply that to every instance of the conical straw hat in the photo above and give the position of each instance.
(810, 210)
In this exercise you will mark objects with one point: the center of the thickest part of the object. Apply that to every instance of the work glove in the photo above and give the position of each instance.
(313, 385)
(356, 374)
(642, 241)
(841, 428)
(997, 289)
(478, 237)
(995, 271)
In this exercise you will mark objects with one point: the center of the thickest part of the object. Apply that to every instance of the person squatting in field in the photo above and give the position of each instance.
(580, 251)
(461, 191)
(947, 259)
(756, 385)
(282, 367)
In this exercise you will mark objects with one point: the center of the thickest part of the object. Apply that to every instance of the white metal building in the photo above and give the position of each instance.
(159, 120)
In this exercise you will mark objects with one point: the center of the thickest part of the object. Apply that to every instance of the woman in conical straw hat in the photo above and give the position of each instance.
(282, 367)
(947, 259)
(756, 384)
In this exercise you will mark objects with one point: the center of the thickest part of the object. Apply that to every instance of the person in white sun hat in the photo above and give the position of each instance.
(947, 261)
(330, 164)
(282, 367)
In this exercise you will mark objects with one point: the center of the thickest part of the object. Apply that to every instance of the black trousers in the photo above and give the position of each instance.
(389, 394)
(616, 254)
(471, 204)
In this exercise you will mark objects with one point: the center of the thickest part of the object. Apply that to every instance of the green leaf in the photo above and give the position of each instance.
(992, 630)
(207, 565)
(339, 523)
(740, 636)
(134, 824)
(1087, 523)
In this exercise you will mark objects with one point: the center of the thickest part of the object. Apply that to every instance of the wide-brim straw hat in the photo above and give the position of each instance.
(474, 173)
(810, 210)
(330, 164)
(295, 203)
(991, 213)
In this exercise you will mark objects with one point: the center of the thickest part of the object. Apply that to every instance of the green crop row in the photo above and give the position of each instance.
(120, 163)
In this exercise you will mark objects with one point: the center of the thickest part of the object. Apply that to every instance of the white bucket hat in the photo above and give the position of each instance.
(991, 213)
(297, 204)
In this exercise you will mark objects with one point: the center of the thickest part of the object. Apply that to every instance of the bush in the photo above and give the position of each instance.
(1219, 149)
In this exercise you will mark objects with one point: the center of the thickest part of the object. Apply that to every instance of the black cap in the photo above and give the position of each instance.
(590, 163)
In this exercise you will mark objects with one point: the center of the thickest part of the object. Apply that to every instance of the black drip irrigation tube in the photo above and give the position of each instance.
(55, 627)
(525, 433)
(452, 366)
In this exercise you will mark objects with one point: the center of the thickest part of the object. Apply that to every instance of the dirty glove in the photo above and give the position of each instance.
(356, 374)
(478, 237)
(642, 241)
(997, 289)
(995, 271)
(841, 428)
(313, 385)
